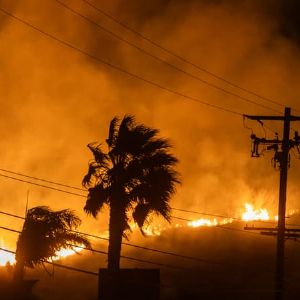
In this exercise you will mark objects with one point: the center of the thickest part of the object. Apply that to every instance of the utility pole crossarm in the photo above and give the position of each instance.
(271, 118)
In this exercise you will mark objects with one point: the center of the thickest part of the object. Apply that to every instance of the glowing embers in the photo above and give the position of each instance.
(252, 214)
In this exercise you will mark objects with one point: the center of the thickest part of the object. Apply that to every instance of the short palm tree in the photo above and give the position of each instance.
(136, 175)
(44, 233)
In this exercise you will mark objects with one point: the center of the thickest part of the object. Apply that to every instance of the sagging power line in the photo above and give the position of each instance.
(58, 265)
(176, 55)
(115, 67)
(103, 252)
(84, 196)
(174, 67)
(84, 190)
(198, 259)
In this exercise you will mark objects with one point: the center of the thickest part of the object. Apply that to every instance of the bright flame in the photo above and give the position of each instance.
(251, 214)
(67, 252)
(208, 222)
(6, 257)
(150, 230)
(203, 222)
(9, 258)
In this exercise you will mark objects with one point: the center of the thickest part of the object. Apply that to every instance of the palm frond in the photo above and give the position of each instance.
(126, 227)
(112, 133)
(157, 144)
(141, 213)
(156, 190)
(139, 178)
(97, 197)
(99, 156)
(121, 144)
(138, 138)
(88, 177)
(45, 232)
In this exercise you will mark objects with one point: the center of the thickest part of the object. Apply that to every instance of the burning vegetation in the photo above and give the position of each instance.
(249, 214)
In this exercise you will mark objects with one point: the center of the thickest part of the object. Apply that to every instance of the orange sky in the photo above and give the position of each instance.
(54, 101)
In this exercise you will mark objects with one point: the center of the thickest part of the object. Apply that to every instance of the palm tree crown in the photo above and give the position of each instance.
(136, 175)
(45, 232)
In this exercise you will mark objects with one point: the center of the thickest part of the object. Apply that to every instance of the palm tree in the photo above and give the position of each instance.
(44, 233)
(136, 175)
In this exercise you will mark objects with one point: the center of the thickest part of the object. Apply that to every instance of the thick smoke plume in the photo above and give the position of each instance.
(54, 100)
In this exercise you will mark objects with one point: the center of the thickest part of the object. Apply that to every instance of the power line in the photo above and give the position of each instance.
(90, 272)
(124, 40)
(122, 256)
(124, 71)
(103, 252)
(152, 249)
(84, 196)
(44, 180)
(85, 271)
(170, 52)
(129, 257)
(71, 268)
(11, 215)
(124, 243)
(43, 186)
(132, 258)
(205, 214)
(80, 195)
(58, 265)
(10, 229)
(202, 260)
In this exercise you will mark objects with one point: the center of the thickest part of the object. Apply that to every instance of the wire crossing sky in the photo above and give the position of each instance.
(136, 76)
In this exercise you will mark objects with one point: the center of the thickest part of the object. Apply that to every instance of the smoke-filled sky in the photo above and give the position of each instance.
(55, 100)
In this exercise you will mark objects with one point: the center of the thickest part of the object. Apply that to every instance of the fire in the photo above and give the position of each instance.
(203, 222)
(67, 252)
(6, 258)
(255, 215)
(150, 230)
(9, 258)
(208, 222)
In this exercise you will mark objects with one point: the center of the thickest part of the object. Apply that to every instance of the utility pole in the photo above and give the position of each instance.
(282, 205)
(281, 158)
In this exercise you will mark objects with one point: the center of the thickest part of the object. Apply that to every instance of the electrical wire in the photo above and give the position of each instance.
(145, 283)
(120, 69)
(127, 244)
(103, 252)
(43, 186)
(124, 40)
(132, 258)
(58, 265)
(44, 180)
(181, 58)
(84, 196)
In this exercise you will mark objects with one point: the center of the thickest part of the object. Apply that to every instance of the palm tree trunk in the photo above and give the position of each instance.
(116, 227)
(19, 271)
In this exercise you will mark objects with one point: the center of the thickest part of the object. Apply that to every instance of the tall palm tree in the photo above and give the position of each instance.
(44, 233)
(135, 175)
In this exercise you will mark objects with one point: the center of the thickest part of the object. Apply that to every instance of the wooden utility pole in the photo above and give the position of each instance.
(282, 205)
(281, 157)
